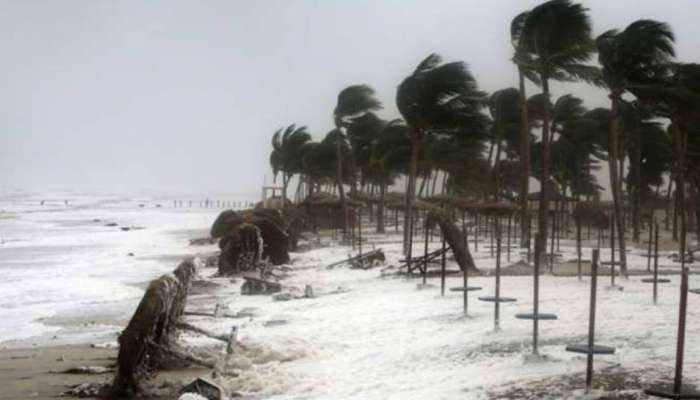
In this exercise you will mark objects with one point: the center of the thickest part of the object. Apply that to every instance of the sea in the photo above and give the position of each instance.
(74, 265)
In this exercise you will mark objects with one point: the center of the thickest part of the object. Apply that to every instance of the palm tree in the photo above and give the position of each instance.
(679, 93)
(524, 63)
(436, 97)
(353, 101)
(390, 157)
(287, 151)
(504, 107)
(556, 35)
(637, 55)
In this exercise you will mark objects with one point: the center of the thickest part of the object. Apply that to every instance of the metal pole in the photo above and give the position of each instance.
(680, 342)
(442, 282)
(612, 249)
(359, 234)
(476, 234)
(465, 277)
(591, 321)
(578, 243)
(498, 280)
(656, 261)
(551, 241)
(510, 222)
(536, 291)
(493, 224)
(651, 231)
(425, 256)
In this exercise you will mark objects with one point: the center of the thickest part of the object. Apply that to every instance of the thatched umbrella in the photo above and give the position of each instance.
(235, 229)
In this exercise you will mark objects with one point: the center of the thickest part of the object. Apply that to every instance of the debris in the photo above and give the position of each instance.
(89, 370)
(253, 286)
(364, 261)
(309, 292)
(284, 296)
(204, 388)
(202, 241)
(151, 329)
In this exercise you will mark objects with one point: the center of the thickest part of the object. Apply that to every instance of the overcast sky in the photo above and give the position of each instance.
(185, 95)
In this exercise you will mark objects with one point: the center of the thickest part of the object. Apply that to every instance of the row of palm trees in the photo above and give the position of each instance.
(451, 128)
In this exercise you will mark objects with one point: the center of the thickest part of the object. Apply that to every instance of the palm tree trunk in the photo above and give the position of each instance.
(285, 183)
(380, 208)
(435, 182)
(615, 185)
(410, 191)
(426, 178)
(524, 162)
(635, 167)
(339, 181)
(445, 176)
(681, 139)
(497, 177)
(544, 179)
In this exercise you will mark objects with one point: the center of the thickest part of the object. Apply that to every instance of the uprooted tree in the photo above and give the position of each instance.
(453, 237)
(248, 237)
(145, 342)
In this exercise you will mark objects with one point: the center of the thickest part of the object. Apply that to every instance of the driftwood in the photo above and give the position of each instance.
(453, 237)
(151, 329)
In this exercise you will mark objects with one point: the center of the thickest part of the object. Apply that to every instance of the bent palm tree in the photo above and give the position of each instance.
(286, 156)
(556, 35)
(436, 97)
(353, 101)
(637, 55)
(523, 61)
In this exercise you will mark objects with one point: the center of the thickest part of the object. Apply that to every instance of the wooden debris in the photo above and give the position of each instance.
(253, 286)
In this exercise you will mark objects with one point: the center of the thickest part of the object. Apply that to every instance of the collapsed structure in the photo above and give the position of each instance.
(248, 237)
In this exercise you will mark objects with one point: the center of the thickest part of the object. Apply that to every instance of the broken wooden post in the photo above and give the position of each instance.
(591, 348)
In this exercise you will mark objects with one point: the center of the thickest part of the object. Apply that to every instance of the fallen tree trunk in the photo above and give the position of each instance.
(453, 237)
(151, 329)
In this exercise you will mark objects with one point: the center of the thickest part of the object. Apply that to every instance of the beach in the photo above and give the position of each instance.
(364, 334)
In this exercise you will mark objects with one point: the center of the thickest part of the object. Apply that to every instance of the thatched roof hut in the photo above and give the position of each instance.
(327, 200)
(271, 227)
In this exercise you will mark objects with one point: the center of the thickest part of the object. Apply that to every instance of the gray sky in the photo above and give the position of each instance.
(185, 95)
